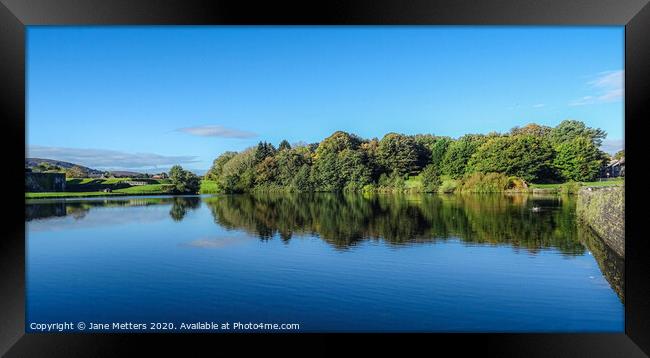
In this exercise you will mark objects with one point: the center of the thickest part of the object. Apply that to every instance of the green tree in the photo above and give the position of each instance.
(458, 154)
(619, 155)
(525, 156)
(370, 152)
(263, 151)
(184, 181)
(399, 154)
(238, 174)
(302, 180)
(337, 142)
(430, 179)
(438, 150)
(337, 162)
(353, 169)
(284, 145)
(532, 129)
(267, 171)
(289, 162)
(578, 159)
(568, 130)
(217, 165)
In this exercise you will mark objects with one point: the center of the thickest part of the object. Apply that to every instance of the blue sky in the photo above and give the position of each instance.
(144, 98)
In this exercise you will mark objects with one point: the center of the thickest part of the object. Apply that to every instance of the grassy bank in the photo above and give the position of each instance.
(573, 187)
(79, 188)
(91, 187)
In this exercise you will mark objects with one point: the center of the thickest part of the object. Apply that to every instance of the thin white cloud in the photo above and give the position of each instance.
(107, 159)
(217, 131)
(583, 101)
(607, 87)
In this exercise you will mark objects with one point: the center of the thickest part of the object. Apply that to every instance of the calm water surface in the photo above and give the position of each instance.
(327, 262)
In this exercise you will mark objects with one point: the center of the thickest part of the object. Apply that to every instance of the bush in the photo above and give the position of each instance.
(209, 187)
(448, 186)
(570, 188)
(391, 182)
(485, 183)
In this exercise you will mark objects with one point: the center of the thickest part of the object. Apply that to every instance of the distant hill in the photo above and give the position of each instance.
(124, 173)
(32, 162)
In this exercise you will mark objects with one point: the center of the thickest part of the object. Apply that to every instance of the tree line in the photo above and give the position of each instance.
(346, 162)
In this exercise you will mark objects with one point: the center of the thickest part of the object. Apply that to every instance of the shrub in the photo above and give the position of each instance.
(448, 186)
(209, 187)
(570, 188)
(485, 183)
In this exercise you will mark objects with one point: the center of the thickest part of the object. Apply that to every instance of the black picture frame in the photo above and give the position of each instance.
(16, 14)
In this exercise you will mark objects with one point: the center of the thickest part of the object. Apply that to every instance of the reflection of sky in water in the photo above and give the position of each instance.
(215, 242)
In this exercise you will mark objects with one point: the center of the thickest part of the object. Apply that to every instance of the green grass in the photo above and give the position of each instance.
(115, 184)
(574, 187)
(144, 189)
(209, 187)
(616, 182)
(151, 189)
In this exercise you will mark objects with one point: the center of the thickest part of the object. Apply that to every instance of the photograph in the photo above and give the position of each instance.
(324, 179)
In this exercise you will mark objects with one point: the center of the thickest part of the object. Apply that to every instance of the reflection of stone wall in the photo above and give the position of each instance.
(44, 182)
(44, 210)
(611, 264)
(603, 209)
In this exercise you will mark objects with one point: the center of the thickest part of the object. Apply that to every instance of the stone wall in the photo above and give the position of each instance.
(603, 210)
(44, 182)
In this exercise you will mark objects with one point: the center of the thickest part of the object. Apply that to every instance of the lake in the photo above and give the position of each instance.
(328, 262)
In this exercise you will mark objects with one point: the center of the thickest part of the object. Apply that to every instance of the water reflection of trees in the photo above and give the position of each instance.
(181, 205)
(343, 220)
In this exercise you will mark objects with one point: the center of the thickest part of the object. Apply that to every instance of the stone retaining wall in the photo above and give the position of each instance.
(44, 182)
(603, 210)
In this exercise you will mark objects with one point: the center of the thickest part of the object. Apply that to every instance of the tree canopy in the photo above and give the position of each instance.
(344, 161)
(183, 181)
